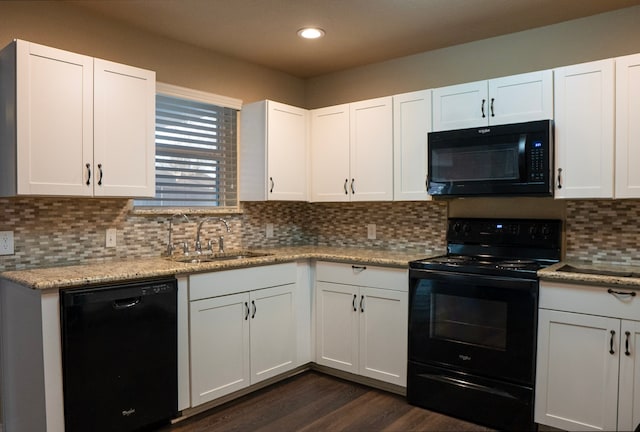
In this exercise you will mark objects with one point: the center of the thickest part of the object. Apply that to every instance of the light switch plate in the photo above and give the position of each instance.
(112, 233)
(269, 230)
(371, 231)
(6, 243)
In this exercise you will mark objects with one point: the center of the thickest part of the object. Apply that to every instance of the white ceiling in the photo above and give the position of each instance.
(359, 32)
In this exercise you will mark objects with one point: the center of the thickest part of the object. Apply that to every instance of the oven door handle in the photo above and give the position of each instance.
(467, 384)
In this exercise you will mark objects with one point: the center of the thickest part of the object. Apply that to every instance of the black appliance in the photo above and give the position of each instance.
(473, 320)
(506, 160)
(119, 352)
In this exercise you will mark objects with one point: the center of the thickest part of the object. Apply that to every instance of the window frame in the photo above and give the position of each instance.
(202, 97)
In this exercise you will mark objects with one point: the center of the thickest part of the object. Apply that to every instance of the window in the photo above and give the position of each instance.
(196, 149)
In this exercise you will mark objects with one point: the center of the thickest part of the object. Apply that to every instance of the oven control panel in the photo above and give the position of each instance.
(526, 232)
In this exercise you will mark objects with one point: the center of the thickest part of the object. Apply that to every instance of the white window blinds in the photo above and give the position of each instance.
(196, 154)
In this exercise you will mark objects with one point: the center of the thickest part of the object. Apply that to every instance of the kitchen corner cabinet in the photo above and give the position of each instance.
(361, 320)
(584, 130)
(273, 147)
(513, 99)
(588, 361)
(75, 125)
(242, 328)
(411, 125)
(352, 151)
(627, 151)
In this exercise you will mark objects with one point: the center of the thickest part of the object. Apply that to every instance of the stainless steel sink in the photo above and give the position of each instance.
(582, 270)
(227, 256)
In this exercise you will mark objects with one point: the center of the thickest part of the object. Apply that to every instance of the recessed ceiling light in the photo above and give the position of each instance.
(310, 33)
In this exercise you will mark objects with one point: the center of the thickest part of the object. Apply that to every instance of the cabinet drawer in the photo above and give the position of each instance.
(590, 299)
(227, 282)
(363, 275)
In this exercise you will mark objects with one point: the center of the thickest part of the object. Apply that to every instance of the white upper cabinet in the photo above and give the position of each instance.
(584, 130)
(352, 151)
(75, 125)
(513, 99)
(330, 153)
(372, 150)
(124, 130)
(627, 152)
(273, 152)
(411, 124)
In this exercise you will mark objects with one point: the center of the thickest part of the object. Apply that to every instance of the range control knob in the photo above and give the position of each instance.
(545, 230)
(456, 227)
(466, 228)
(533, 231)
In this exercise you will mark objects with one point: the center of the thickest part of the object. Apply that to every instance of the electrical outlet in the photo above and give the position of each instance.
(371, 231)
(6, 243)
(269, 230)
(111, 236)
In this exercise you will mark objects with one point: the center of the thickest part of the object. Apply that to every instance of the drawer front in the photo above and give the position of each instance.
(590, 299)
(227, 282)
(363, 275)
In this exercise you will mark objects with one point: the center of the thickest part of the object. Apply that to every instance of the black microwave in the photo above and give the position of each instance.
(504, 160)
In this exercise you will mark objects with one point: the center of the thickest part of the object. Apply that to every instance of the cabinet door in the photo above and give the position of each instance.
(337, 326)
(273, 338)
(521, 98)
(286, 152)
(584, 130)
(124, 130)
(627, 176)
(460, 106)
(383, 335)
(411, 124)
(371, 153)
(219, 346)
(330, 154)
(54, 121)
(629, 397)
(577, 377)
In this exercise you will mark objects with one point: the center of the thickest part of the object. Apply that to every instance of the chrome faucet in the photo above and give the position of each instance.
(170, 245)
(220, 238)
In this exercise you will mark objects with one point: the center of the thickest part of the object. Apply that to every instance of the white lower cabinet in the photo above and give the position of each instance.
(361, 320)
(588, 372)
(244, 332)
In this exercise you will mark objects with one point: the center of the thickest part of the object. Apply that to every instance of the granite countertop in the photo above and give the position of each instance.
(76, 276)
(587, 273)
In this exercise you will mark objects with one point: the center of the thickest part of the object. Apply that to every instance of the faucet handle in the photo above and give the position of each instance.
(210, 244)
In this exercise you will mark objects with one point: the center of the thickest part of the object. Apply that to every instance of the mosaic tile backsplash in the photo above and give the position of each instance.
(603, 231)
(65, 231)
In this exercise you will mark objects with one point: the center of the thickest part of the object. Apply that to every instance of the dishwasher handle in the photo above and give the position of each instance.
(126, 303)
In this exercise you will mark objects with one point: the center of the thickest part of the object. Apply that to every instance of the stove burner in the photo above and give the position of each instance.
(517, 264)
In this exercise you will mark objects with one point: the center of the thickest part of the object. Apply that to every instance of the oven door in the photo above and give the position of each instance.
(485, 325)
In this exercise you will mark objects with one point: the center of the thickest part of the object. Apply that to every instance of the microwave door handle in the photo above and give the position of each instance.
(522, 157)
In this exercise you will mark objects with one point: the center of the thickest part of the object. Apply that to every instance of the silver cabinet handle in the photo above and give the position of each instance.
(353, 189)
(272, 184)
(362, 304)
(353, 303)
(482, 108)
(491, 108)
(346, 192)
(246, 314)
(100, 178)
(255, 309)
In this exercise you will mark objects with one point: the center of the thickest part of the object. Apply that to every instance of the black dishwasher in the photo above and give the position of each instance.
(119, 356)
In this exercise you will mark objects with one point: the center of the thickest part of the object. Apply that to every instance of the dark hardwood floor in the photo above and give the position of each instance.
(314, 401)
